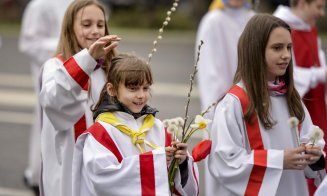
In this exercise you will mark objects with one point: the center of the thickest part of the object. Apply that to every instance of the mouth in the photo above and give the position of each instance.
(283, 65)
(138, 103)
(92, 39)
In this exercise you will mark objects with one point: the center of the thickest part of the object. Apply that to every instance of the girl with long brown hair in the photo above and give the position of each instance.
(255, 151)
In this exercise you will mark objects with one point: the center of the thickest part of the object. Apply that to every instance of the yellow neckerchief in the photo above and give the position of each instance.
(216, 4)
(138, 137)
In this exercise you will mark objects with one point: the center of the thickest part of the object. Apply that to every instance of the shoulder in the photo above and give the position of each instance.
(212, 17)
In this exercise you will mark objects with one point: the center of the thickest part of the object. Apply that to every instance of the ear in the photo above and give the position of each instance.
(110, 90)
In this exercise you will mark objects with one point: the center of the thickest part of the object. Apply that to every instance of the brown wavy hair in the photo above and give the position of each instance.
(252, 70)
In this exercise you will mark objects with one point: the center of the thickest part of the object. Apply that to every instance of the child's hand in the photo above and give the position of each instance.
(314, 152)
(100, 47)
(295, 158)
(169, 153)
(181, 152)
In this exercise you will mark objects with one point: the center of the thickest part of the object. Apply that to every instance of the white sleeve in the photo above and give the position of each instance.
(231, 160)
(307, 78)
(35, 39)
(62, 96)
(192, 186)
(306, 128)
(322, 189)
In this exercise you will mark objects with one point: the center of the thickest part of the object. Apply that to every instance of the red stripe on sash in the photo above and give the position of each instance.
(253, 129)
(80, 127)
(102, 136)
(256, 144)
(77, 73)
(257, 173)
(147, 174)
(168, 138)
(196, 180)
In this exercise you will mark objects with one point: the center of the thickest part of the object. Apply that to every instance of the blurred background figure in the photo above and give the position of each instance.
(220, 30)
(310, 70)
(40, 30)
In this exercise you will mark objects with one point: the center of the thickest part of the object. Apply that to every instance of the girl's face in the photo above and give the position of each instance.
(236, 3)
(133, 97)
(89, 25)
(278, 52)
(313, 11)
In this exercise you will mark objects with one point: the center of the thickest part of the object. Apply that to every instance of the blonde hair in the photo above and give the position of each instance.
(68, 44)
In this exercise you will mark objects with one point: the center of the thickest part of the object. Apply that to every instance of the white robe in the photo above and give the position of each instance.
(232, 160)
(99, 171)
(64, 102)
(322, 189)
(41, 24)
(305, 78)
(220, 31)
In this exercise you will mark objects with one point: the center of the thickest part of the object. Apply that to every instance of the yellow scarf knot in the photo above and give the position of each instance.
(138, 137)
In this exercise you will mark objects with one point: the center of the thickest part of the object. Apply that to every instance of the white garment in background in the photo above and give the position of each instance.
(38, 40)
(220, 31)
(231, 159)
(305, 78)
(98, 171)
(64, 102)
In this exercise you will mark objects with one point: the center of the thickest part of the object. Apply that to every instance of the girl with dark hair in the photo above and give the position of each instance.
(127, 151)
(254, 150)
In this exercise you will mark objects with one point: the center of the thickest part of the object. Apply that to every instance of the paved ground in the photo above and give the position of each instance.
(172, 65)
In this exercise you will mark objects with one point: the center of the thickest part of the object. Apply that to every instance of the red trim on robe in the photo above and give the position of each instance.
(256, 144)
(196, 180)
(77, 73)
(168, 138)
(80, 127)
(147, 174)
(102, 136)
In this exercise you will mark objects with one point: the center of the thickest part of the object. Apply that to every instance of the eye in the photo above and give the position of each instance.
(146, 88)
(277, 48)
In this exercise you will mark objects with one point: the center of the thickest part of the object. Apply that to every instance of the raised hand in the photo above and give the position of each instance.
(295, 158)
(103, 46)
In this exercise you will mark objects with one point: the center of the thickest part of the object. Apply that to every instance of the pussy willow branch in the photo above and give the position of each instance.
(165, 23)
(195, 70)
(209, 108)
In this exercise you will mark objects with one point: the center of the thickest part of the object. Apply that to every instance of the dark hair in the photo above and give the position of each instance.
(126, 69)
(252, 69)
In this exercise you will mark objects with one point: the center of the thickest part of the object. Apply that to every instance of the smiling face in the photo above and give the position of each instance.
(133, 97)
(278, 52)
(89, 25)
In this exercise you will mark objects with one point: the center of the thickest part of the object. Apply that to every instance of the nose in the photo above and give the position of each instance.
(140, 94)
(95, 29)
(286, 54)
